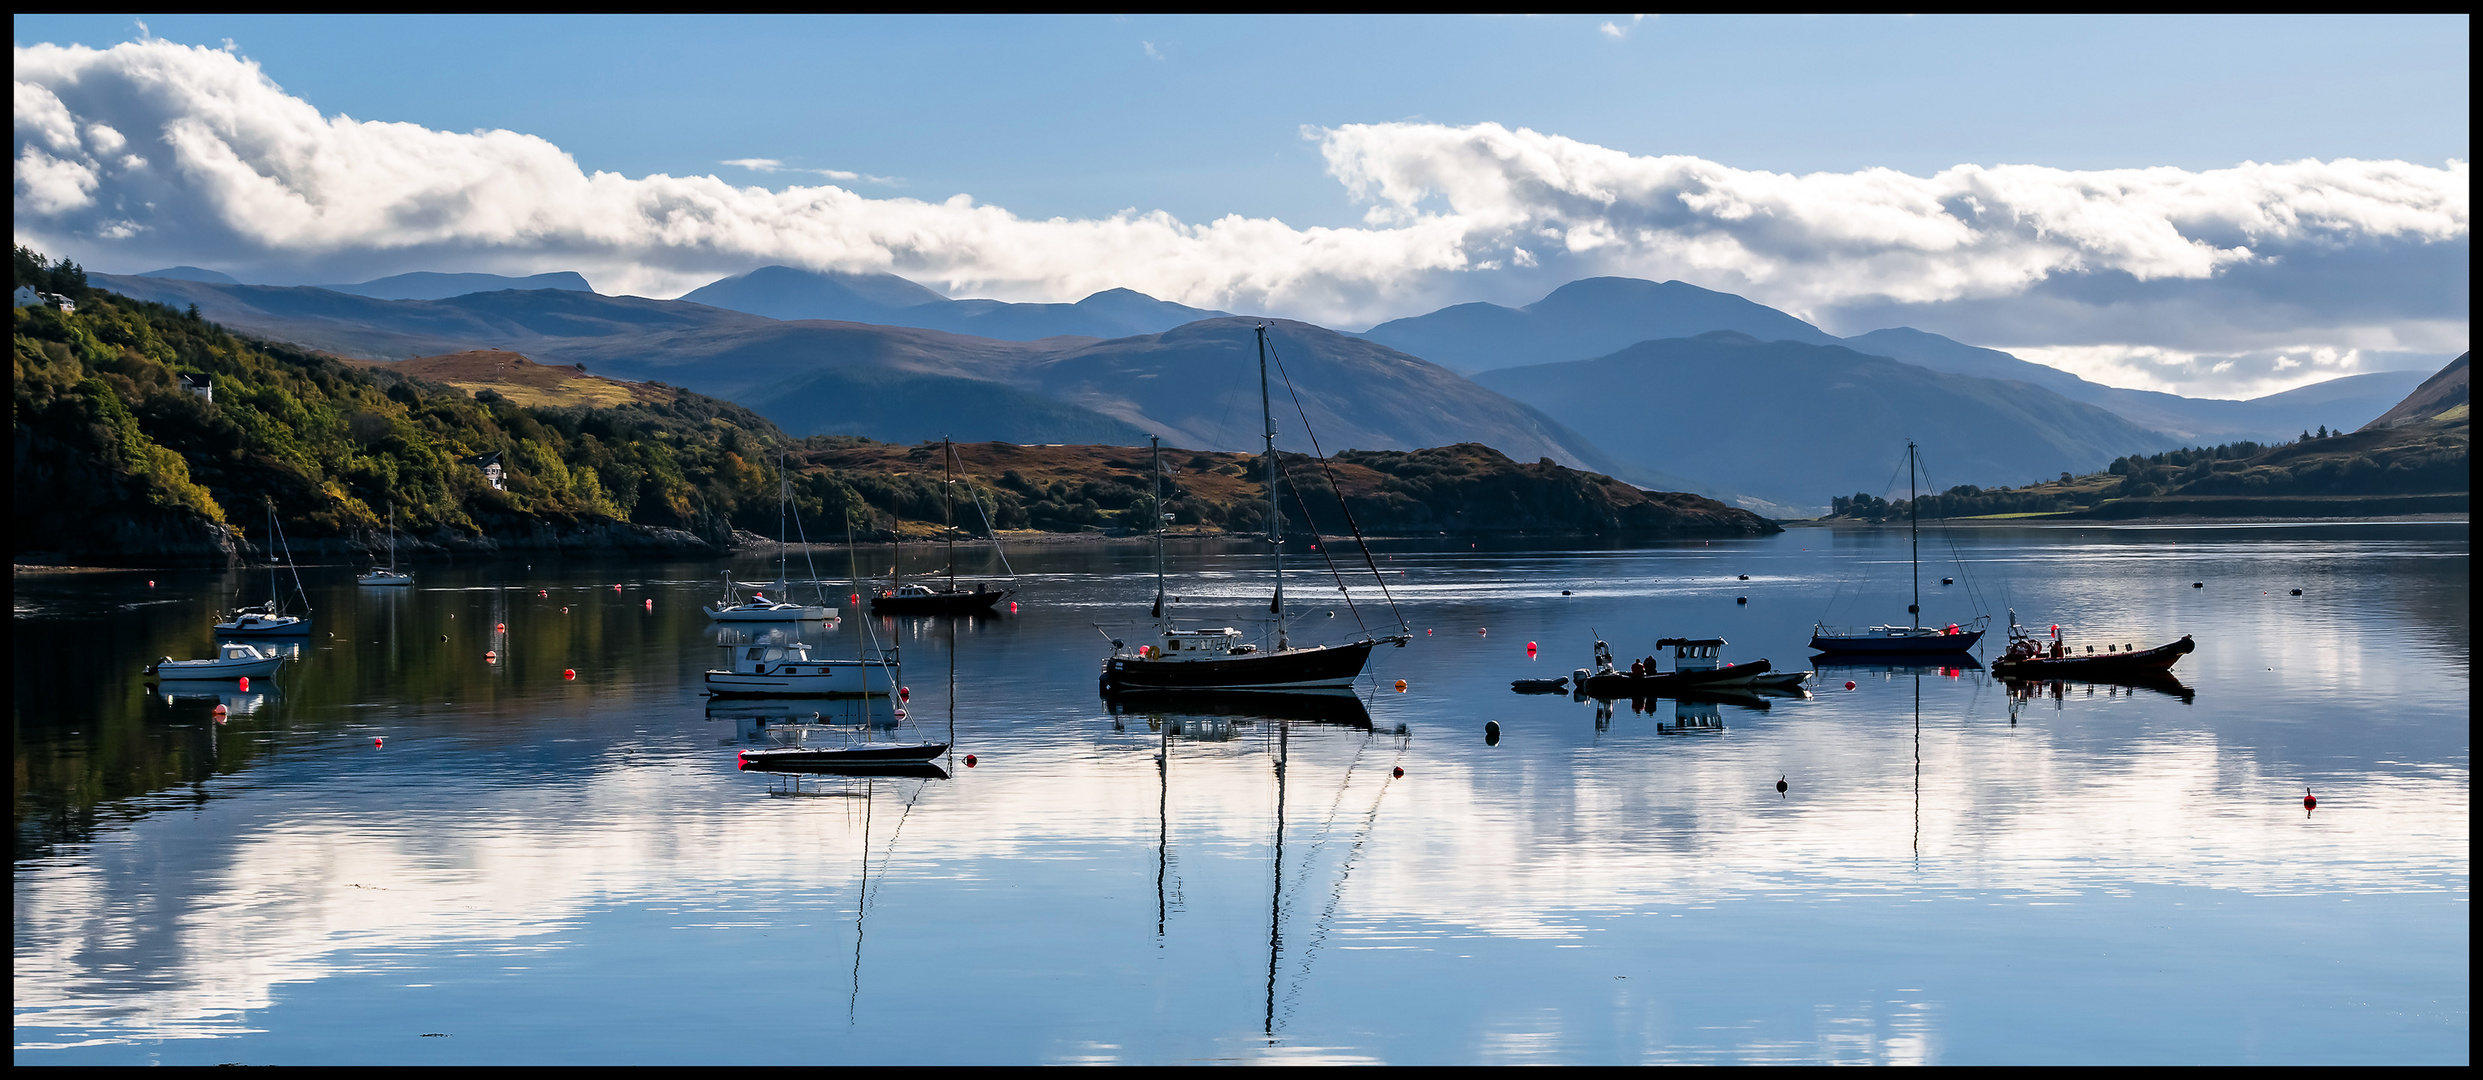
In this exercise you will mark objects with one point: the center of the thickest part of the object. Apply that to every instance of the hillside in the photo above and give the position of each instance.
(782, 292)
(1465, 490)
(1797, 423)
(2443, 396)
(525, 382)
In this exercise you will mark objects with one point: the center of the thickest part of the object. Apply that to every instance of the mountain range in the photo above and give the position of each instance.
(881, 356)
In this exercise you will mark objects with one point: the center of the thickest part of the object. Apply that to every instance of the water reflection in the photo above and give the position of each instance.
(1938, 883)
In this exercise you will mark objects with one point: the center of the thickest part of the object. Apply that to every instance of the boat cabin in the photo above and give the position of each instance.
(775, 659)
(1201, 644)
(1694, 654)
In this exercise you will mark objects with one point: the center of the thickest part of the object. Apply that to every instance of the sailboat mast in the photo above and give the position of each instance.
(1275, 519)
(1155, 509)
(1914, 518)
(948, 495)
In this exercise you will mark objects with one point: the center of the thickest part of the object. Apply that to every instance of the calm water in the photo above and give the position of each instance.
(534, 869)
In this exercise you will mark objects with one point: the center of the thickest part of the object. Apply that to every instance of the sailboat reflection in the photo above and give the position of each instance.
(1218, 719)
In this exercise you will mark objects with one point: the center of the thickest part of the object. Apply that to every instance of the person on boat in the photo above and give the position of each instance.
(2056, 649)
(1637, 668)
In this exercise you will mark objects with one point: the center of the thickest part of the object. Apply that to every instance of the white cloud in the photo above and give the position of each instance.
(244, 173)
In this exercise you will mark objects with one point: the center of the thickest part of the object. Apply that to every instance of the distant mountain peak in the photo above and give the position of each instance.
(430, 285)
(190, 273)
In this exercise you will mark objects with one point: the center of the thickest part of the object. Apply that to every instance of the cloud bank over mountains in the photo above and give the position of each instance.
(152, 153)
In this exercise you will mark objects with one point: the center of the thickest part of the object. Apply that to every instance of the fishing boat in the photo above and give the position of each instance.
(1217, 658)
(1911, 638)
(270, 619)
(2029, 657)
(1697, 665)
(758, 606)
(788, 669)
(917, 599)
(388, 575)
(233, 660)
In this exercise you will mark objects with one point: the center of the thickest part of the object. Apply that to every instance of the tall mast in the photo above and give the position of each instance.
(1275, 519)
(1914, 519)
(1155, 509)
(784, 497)
(948, 494)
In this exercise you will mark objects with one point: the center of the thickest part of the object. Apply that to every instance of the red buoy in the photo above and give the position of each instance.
(1012, 607)
(1530, 646)
(650, 605)
(2309, 801)
(564, 611)
(905, 694)
(377, 741)
(969, 761)
(220, 712)
(570, 674)
(502, 628)
(150, 583)
(853, 598)
(245, 684)
(1400, 771)
(616, 588)
(1849, 684)
(491, 656)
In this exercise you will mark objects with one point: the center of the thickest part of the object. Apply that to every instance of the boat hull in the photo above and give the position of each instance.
(1615, 685)
(385, 579)
(1330, 667)
(255, 627)
(788, 613)
(904, 755)
(2153, 663)
(214, 670)
(1897, 644)
(944, 603)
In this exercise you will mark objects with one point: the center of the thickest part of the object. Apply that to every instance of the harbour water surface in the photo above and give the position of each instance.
(531, 868)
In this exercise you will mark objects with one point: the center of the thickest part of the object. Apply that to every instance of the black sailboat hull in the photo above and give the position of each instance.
(1331, 667)
(941, 603)
(856, 757)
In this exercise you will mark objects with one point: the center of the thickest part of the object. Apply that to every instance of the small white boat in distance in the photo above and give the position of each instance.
(732, 608)
(388, 575)
(771, 669)
(233, 660)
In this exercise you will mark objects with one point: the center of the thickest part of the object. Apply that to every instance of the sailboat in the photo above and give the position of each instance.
(388, 575)
(269, 619)
(903, 599)
(1216, 658)
(733, 607)
(1909, 639)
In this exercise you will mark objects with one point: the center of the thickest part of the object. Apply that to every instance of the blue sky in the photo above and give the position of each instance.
(1275, 119)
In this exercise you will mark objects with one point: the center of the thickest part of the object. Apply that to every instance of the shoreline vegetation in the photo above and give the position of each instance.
(149, 436)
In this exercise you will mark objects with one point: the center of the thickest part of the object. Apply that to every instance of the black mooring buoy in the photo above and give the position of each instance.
(1491, 732)
(1745, 577)
(1564, 592)
(2297, 592)
(1741, 599)
(1781, 786)
(2198, 584)
(1948, 581)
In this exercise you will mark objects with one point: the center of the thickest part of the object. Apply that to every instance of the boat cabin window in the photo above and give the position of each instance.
(754, 654)
(775, 654)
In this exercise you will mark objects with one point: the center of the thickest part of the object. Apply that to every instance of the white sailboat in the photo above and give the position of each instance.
(389, 574)
(269, 619)
(759, 607)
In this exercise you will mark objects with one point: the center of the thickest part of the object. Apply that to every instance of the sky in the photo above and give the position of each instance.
(2216, 206)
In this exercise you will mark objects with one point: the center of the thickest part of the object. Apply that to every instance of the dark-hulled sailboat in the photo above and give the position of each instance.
(902, 599)
(1911, 639)
(1216, 659)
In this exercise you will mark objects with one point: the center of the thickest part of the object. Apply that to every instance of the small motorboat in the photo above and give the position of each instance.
(233, 660)
(787, 669)
(2030, 658)
(1540, 686)
(1696, 666)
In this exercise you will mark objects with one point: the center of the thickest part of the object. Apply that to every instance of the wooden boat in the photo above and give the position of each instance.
(1908, 639)
(1216, 659)
(1696, 666)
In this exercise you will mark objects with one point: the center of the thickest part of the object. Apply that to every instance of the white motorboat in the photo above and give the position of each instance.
(233, 660)
(787, 669)
(269, 619)
(388, 575)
